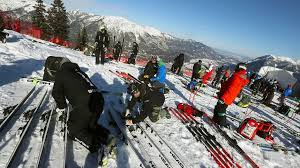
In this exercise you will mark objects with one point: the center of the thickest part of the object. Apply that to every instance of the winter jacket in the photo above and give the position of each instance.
(151, 98)
(232, 87)
(72, 84)
(179, 60)
(207, 76)
(150, 69)
(287, 92)
(102, 40)
(135, 49)
(196, 69)
(161, 74)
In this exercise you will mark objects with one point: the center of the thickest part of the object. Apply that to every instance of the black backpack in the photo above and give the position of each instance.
(52, 65)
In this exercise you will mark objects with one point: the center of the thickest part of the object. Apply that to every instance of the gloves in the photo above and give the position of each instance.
(96, 43)
(60, 111)
(146, 76)
(105, 49)
(129, 122)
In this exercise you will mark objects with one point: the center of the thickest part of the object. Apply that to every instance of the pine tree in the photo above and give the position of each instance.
(58, 20)
(39, 19)
(82, 38)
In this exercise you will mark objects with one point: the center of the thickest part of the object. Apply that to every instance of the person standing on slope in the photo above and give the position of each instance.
(178, 63)
(149, 71)
(134, 52)
(87, 105)
(117, 51)
(152, 102)
(101, 44)
(229, 91)
(218, 77)
(196, 69)
(286, 93)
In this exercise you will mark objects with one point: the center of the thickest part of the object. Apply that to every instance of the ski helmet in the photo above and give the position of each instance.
(241, 66)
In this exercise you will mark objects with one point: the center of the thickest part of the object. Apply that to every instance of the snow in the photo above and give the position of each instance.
(7, 5)
(25, 56)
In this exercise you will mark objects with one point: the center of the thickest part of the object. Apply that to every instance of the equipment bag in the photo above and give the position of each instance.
(265, 130)
(248, 128)
(188, 109)
(52, 65)
(192, 85)
(245, 101)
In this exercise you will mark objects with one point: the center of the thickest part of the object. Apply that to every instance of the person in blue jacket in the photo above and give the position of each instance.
(286, 93)
(158, 82)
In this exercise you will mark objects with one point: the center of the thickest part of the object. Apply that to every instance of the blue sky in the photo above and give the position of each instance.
(249, 27)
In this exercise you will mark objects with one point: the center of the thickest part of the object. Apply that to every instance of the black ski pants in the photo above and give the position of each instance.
(220, 113)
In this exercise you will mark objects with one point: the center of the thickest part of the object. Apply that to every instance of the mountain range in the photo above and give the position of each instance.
(151, 41)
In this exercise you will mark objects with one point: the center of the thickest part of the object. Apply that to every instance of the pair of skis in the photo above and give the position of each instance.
(24, 129)
(219, 154)
(231, 142)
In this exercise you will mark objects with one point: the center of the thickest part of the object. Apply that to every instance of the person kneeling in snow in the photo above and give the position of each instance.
(229, 91)
(87, 104)
(149, 71)
(151, 100)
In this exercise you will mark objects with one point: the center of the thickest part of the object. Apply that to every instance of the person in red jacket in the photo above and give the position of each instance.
(208, 74)
(229, 91)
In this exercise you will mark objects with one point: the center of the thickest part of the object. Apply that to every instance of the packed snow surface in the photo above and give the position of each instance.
(23, 56)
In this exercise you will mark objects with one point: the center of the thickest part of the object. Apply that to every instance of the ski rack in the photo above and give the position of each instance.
(44, 137)
(162, 156)
(7, 118)
(24, 131)
(162, 141)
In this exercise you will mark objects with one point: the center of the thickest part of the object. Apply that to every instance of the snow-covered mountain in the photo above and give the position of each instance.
(25, 56)
(151, 40)
(280, 62)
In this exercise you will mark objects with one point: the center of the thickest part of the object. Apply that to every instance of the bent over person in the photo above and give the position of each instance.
(87, 104)
(151, 100)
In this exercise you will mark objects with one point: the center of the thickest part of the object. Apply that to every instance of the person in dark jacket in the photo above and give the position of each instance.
(152, 102)
(134, 52)
(150, 70)
(117, 50)
(178, 63)
(87, 104)
(269, 93)
(101, 43)
(196, 69)
(219, 76)
(229, 91)
(2, 33)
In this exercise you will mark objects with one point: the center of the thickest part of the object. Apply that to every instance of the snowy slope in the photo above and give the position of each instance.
(23, 56)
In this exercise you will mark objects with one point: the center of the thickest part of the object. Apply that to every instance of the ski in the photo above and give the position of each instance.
(46, 117)
(231, 142)
(162, 156)
(131, 140)
(220, 155)
(163, 142)
(37, 80)
(25, 129)
(65, 131)
(15, 109)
